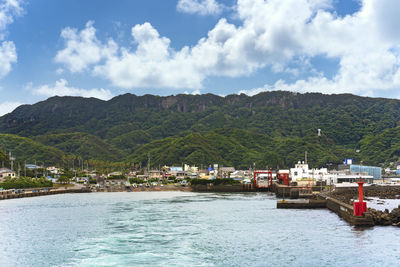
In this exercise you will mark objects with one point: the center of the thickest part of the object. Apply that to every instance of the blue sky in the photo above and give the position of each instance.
(102, 48)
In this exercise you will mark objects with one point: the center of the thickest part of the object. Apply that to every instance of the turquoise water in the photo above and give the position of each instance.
(183, 229)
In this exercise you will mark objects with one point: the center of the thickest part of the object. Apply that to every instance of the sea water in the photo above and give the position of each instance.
(183, 229)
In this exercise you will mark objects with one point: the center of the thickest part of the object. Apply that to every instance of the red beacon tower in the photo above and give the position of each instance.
(360, 207)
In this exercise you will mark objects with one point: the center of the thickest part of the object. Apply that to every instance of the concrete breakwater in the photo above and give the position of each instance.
(346, 195)
(343, 210)
(223, 188)
(340, 201)
(7, 194)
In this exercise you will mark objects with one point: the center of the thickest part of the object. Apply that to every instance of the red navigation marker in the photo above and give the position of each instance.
(360, 207)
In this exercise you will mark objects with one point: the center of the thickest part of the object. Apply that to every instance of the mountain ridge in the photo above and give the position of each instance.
(127, 125)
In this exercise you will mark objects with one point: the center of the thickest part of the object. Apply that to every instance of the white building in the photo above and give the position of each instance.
(5, 172)
(53, 170)
(302, 171)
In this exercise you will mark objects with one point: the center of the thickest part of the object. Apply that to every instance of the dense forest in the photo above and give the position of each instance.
(271, 129)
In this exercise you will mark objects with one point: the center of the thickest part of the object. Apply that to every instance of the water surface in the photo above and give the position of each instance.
(183, 229)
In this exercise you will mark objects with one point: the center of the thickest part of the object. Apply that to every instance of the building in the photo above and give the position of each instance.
(376, 172)
(352, 178)
(53, 170)
(240, 174)
(32, 166)
(225, 172)
(115, 174)
(156, 174)
(301, 171)
(4, 173)
(178, 172)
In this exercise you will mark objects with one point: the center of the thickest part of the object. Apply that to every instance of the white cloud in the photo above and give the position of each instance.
(272, 34)
(195, 92)
(152, 64)
(7, 107)
(61, 88)
(83, 48)
(8, 10)
(202, 7)
(8, 55)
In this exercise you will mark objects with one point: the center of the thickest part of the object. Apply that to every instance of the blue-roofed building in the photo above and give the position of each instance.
(376, 172)
(32, 166)
(175, 169)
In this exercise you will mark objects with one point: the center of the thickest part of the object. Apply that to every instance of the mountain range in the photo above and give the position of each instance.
(271, 129)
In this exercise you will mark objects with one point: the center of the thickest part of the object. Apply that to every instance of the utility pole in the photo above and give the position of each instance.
(11, 161)
(148, 163)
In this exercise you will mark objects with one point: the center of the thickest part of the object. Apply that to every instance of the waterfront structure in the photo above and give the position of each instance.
(376, 172)
(301, 172)
(5, 172)
(32, 166)
(176, 171)
(53, 170)
(347, 177)
(205, 174)
(225, 172)
(156, 174)
(240, 174)
(191, 171)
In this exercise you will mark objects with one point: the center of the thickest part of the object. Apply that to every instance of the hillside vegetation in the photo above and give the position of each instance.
(269, 129)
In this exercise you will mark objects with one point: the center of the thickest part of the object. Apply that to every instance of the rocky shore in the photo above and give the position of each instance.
(386, 217)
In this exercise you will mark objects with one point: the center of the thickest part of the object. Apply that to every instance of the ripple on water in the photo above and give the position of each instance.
(183, 229)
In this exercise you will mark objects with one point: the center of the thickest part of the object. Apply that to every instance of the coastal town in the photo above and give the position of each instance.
(300, 174)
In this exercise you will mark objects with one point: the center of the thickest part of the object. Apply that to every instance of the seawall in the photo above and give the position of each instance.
(223, 188)
(6, 194)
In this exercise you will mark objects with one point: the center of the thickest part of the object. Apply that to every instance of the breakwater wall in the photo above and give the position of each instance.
(7, 194)
(345, 211)
(302, 204)
(320, 200)
(223, 188)
(284, 191)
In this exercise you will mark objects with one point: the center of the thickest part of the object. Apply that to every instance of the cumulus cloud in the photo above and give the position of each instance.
(195, 92)
(7, 107)
(8, 55)
(272, 34)
(201, 7)
(152, 64)
(61, 88)
(8, 10)
(83, 48)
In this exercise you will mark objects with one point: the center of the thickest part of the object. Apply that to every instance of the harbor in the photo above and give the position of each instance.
(184, 229)
(341, 191)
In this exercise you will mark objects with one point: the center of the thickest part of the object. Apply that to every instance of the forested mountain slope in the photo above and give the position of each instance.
(271, 128)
